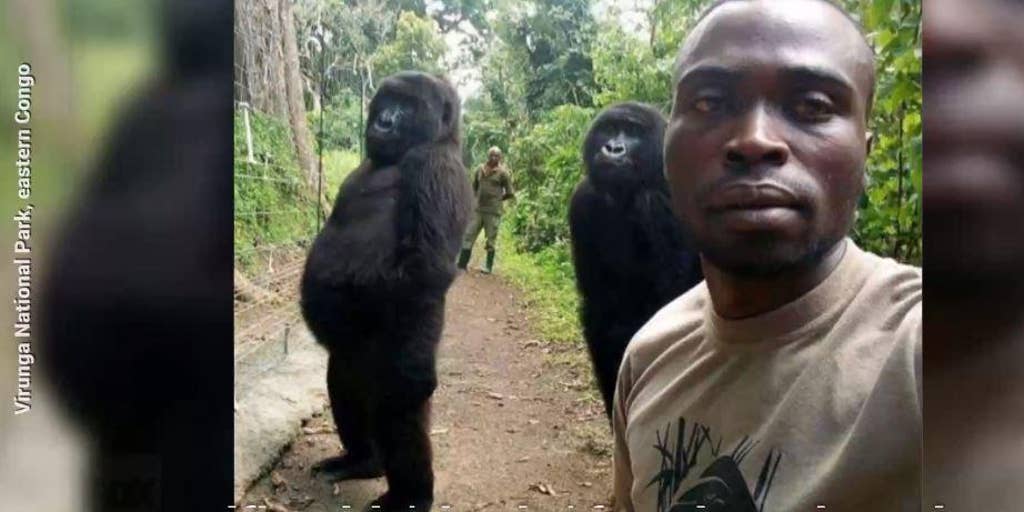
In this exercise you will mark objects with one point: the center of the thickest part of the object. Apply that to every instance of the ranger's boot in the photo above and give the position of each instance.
(489, 266)
(464, 258)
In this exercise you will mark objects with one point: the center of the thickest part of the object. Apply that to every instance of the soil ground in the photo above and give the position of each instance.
(510, 428)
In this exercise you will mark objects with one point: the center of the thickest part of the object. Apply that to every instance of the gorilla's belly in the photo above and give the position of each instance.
(360, 249)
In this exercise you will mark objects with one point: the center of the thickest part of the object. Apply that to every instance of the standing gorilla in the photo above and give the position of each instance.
(374, 287)
(628, 250)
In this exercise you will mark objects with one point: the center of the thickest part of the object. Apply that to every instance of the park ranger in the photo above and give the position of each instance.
(492, 185)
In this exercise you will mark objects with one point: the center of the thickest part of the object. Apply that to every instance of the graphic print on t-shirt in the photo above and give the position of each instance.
(721, 486)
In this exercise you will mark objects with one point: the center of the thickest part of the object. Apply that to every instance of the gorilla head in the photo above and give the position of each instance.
(409, 109)
(622, 150)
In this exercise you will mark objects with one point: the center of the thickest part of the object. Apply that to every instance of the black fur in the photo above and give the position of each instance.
(374, 287)
(628, 249)
(134, 320)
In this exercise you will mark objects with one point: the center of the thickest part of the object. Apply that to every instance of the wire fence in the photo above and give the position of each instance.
(276, 219)
(279, 204)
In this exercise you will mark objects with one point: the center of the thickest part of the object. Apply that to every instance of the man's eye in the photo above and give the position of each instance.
(707, 104)
(814, 107)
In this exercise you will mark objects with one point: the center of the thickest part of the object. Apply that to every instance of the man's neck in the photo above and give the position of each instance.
(737, 297)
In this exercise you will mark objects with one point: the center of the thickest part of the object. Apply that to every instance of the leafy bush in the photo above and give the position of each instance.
(626, 70)
(546, 167)
(890, 216)
(271, 205)
(487, 130)
(342, 123)
(337, 166)
(271, 139)
(415, 45)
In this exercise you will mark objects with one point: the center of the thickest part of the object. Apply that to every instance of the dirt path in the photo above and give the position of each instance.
(509, 429)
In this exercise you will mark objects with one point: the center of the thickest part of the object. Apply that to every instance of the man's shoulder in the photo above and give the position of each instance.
(892, 288)
(673, 323)
(892, 269)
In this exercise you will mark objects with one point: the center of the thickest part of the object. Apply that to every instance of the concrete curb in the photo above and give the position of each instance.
(274, 392)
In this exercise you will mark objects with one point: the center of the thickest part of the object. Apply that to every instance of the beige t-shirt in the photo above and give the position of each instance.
(815, 403)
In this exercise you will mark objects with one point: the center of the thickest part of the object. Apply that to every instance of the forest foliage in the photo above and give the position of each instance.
(546, 67)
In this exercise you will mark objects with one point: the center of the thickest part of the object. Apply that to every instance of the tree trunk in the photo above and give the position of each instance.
(652, 20)
(301, 135)
(259, 69)
(240, 77)
(314, 92)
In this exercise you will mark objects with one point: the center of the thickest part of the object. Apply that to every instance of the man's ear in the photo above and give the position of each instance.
(869, 139)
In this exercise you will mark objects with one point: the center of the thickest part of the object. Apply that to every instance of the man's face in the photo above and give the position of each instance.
(766, 142)
(493, 158)
(974, 128)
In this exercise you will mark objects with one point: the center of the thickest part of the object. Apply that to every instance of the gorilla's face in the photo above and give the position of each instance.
(623, 148)
(409, 109)
(767, 140)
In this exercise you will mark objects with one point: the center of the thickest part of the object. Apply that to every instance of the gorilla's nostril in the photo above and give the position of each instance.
(614, 149)
(384, 123)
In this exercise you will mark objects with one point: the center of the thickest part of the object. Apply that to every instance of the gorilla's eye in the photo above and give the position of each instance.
(814, 107)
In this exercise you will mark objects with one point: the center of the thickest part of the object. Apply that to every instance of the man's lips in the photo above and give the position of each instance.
(752, 196)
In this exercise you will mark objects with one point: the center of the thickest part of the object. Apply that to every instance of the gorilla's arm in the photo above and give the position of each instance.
(594, 279)
(608, 317)
(433, 211)
(673, 266)
(583, 242)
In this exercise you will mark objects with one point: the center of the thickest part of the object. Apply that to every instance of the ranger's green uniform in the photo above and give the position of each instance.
(492, 186)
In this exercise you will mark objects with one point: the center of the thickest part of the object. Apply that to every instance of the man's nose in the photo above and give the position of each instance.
(756, 141)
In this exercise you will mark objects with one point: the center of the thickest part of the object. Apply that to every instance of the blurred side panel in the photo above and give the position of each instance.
(974, 254)
(132, 255)
(42, 457)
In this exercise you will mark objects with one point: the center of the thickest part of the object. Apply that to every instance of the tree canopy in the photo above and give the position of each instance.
(543, 68)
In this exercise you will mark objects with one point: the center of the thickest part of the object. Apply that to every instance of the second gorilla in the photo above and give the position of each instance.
(629, 252)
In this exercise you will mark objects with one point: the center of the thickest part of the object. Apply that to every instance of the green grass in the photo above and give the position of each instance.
(548, 286)
(338, 164)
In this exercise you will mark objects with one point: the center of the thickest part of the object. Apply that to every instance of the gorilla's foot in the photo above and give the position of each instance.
(349, 467)
(393, 502)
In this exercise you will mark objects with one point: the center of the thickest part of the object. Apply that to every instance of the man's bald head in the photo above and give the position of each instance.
(866, 53)
(854, 21)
